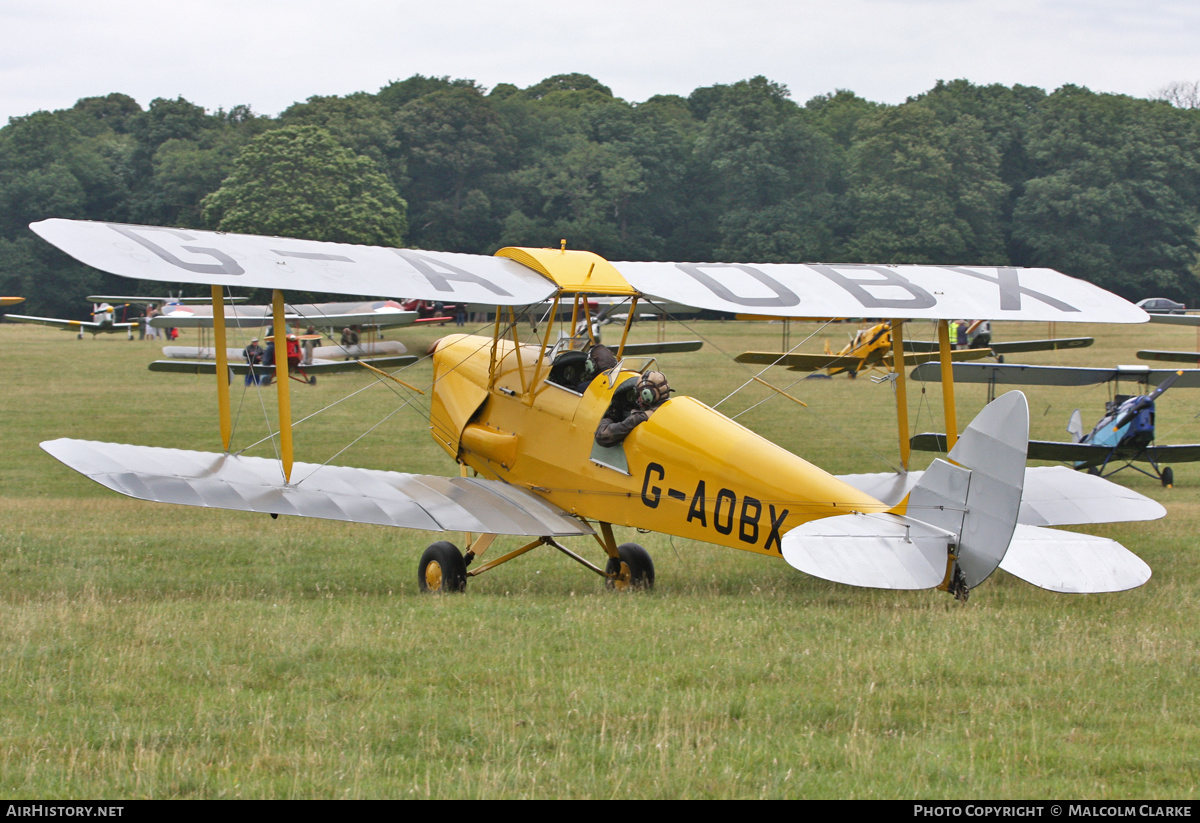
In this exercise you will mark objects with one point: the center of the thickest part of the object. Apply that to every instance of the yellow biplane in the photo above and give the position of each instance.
(871, 348)
(520, 426)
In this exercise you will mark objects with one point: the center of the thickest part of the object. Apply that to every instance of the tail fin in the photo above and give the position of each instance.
(977, 494)
(965, 509)
(959, 523)
(1075, 427)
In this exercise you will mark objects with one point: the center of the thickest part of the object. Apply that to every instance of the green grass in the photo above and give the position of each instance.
(163, 652)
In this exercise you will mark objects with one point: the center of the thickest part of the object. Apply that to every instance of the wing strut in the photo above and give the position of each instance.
(901, 392)
(218, 303)
(947, 383)
(279, 330)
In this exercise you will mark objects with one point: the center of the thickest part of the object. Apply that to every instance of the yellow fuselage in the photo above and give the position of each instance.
(692, 472)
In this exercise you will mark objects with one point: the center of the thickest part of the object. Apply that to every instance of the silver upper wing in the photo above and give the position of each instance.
(779, 289)
(256, 484)
(889, 292)
(215, 258)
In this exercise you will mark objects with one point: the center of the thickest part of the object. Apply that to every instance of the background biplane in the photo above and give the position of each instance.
(1124, 435)
(526, 440)
(367, 318)
(104, 308)
(871, 347)
(103, 322)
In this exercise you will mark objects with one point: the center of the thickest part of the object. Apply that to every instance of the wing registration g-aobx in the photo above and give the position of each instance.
(779, 289)
(519, 418)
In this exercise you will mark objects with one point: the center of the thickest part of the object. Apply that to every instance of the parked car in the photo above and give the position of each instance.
(1161, 305)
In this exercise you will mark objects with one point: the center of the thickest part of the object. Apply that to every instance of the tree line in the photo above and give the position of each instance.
(1100, 186)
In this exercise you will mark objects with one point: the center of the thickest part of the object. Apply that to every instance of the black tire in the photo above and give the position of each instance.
(641, 568)
(1168, 478)
(442, 569)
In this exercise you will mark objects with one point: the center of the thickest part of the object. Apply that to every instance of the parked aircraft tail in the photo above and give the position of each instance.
(960, 523)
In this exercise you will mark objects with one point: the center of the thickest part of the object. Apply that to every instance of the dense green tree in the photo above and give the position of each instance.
(1005, 114)
(360, 122)
(49, 168)
(452, 143)
(1116, 193)
(767, 174)
(921, 191)
(399, 93)
(1101, 186)
(560, 83)
(298, 181)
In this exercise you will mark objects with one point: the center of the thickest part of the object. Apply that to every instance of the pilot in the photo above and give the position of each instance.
(624, 413)
(599, 360)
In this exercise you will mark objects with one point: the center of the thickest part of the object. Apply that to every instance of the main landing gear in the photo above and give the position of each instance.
(633, 569)
(443, 567)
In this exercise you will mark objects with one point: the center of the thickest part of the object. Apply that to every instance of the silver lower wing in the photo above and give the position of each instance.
(256, 484)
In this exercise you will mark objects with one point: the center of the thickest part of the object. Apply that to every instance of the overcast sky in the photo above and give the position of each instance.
(269, 54)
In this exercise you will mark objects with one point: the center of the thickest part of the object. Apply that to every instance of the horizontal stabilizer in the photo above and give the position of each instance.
(1052, 496)
(256, 484)
(1059, 496)
(878, 551)
(1073, 563)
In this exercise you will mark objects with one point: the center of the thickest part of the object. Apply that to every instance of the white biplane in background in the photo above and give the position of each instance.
(366, 318)
(104, 310)
(103, 321)
(500, 409)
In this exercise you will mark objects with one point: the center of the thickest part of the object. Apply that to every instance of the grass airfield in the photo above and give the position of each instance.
(151, 651)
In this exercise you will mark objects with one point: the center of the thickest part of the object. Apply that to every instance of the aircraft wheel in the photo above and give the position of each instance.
(635, 569)
(312, 381)
(442, 569)
(1168, 478)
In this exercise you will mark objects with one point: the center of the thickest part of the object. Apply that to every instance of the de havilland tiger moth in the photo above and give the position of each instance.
(502, 411)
